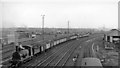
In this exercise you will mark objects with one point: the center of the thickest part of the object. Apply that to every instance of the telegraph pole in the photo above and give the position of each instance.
(43, 26)
(68, 26)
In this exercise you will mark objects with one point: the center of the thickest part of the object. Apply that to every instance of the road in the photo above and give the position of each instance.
(62, 55)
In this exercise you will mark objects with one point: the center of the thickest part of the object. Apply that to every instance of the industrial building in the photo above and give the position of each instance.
(112, 36)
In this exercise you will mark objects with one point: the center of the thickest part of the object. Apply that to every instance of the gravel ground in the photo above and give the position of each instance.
(110, 56)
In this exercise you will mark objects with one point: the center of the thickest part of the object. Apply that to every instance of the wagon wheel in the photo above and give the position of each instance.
(12, 66)
(19, 64)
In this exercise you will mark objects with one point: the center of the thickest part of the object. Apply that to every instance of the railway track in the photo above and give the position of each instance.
(62, 53)
(63, 60)
(52, 57)
(42, 63)
(56, 60)
(44, 56)
(7, 46)
(67, 56)
(7, 50)
(88, 52)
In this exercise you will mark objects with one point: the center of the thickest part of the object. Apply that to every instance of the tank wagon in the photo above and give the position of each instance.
(29, 51)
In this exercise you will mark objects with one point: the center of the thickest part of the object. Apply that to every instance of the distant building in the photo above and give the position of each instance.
(11, 38)
(23, 34)
(8, 38)
(112, 36)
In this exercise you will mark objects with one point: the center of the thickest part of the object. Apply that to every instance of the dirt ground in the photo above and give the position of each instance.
(109, 57)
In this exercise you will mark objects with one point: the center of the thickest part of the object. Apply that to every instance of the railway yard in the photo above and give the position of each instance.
(59, 33)
(65, 53)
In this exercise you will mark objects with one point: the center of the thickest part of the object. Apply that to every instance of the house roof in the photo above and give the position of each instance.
(113, 32)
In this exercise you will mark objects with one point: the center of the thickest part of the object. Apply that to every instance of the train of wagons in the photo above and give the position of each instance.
(22, 55)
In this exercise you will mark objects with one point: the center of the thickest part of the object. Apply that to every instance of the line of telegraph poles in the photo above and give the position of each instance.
(43, 26)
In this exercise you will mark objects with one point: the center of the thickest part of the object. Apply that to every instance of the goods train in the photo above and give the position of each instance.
(26, 53)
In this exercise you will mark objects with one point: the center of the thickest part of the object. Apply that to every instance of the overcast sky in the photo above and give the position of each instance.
(80, 13)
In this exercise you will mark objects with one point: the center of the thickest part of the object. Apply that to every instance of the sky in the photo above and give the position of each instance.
(79, 13)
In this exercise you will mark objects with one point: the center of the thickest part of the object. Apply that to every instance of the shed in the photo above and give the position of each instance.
(112, 36)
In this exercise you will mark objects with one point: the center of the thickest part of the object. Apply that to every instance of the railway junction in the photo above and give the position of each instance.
(70, 51)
